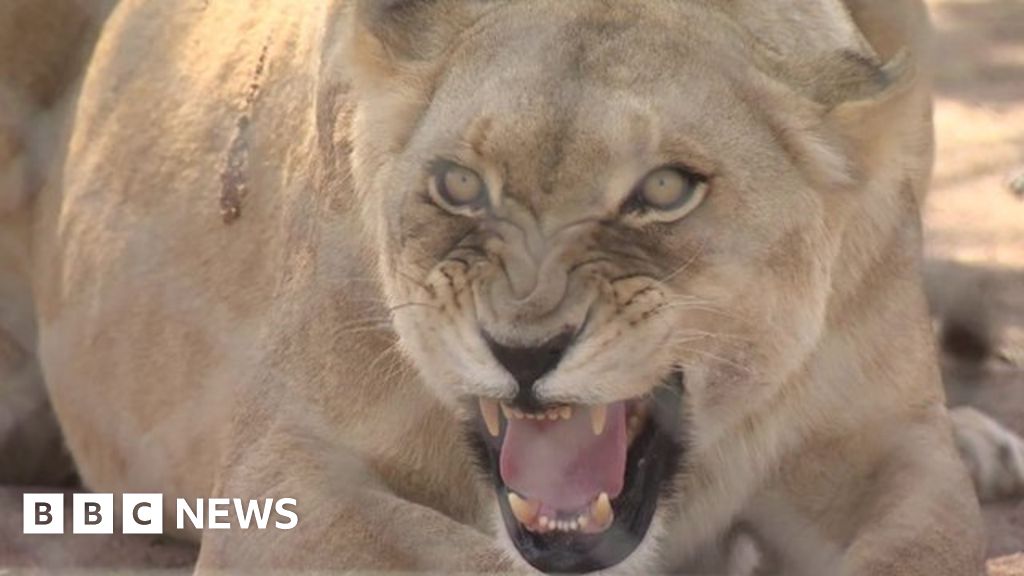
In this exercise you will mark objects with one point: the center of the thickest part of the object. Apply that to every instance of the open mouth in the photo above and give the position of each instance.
(578, 485)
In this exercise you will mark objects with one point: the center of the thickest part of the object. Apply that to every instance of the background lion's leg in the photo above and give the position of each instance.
(31, 447)
(994, 455)
(42, 49)
(968, 306)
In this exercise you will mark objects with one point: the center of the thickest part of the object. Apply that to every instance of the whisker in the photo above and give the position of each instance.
(406, 305)
(697, 254)
(701, 334)
(696, 307)
(366, 279)
(415, 281)
(393, 348)
(732, 363)
(375, 320)
(688, 298)
(364, 329)
(375, 299)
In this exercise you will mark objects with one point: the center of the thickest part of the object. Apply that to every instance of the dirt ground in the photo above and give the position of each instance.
(975, 239)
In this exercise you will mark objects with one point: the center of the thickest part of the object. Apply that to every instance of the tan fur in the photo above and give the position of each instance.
(240, 293)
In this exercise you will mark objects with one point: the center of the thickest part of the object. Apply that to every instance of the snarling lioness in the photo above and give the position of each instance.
(491, 284)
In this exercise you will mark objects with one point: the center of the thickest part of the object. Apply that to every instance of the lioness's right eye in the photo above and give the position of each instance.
(458, 188)
(666, 195)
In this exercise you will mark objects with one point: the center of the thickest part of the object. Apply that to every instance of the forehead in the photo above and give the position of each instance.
(559, 52)
(573, 91)
(600, 41)
(588, 63)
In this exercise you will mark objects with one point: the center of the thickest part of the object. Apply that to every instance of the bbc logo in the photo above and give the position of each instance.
(93, 514)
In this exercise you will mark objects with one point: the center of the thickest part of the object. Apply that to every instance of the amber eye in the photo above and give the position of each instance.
(668, 194)
(459, 187)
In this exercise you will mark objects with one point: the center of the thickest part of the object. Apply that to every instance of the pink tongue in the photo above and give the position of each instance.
(561, 462)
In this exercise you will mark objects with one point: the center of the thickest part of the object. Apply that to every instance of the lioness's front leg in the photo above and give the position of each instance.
(893, 500)
(920, 535)
(348, 518)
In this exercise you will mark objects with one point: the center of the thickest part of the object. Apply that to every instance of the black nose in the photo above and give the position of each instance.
(529, 364)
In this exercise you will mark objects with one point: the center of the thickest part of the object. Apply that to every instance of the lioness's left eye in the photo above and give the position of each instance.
(459, 187)
(668, 193)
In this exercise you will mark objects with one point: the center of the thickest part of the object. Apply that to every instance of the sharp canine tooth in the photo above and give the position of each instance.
(602, 512)
(489, 410)
(598, 417)
(565, 412)
(524, 510)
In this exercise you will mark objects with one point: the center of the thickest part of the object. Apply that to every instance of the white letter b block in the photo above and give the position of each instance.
(43, 513)
(93, 514)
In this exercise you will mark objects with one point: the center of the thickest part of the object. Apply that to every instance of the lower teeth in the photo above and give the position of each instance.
(596, 518)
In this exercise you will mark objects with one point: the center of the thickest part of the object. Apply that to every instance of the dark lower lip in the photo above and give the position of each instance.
(652, 462)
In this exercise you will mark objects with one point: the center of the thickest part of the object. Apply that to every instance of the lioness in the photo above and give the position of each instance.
(483, 284)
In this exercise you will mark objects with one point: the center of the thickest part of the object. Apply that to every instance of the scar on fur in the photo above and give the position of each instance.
(1017, 184)
(234, 187)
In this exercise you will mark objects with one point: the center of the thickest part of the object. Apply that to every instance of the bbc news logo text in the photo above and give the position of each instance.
(144, 513)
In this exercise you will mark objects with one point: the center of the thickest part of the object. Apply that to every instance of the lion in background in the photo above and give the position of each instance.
(220, 294)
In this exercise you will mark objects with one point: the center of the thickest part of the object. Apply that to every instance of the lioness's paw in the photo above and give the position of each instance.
(993, 454)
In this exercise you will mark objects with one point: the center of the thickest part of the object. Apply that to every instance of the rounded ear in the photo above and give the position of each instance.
(389, 35)
(864, 63)
(884, 120)
(895, 114)
(836, 51)
(805, 30)
(845, 77)
(392, 23)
